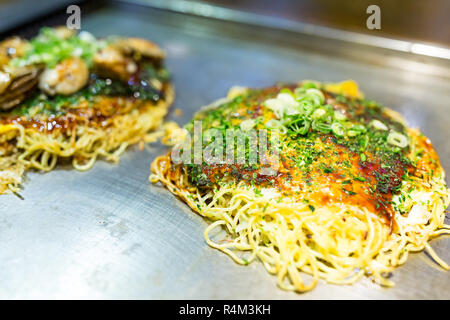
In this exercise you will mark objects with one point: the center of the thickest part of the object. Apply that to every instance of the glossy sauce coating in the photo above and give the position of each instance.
(321, 169)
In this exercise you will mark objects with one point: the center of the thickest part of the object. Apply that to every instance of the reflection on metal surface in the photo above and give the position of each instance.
(432, 51)
(108, 233)
(211, 11)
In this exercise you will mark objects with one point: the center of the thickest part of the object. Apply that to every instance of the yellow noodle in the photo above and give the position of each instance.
(85, 144)
(338, 242)
(291, 240)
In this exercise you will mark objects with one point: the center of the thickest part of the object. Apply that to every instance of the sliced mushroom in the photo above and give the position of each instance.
(138, 48)
(5, 80)
(17, 84)
(110, 62)
(119, 59)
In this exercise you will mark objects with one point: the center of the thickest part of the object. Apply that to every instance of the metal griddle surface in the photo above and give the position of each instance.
(109, 233)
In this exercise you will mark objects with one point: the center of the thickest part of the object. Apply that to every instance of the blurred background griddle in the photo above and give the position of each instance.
(413, 20)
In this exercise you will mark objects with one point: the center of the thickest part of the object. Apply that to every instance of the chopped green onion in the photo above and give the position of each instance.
(299, 126)
(359, 128)
(321, 126)
(338, 129)
(356, 130)
(275, 124)
(352, 133)
(397, 139)
(339, 115)
(48, 48)
(247, 125)
(316, 95)
(377, 124)
(288, 100)
(320, 112)
(287, 91)
(306, 108)
(309, 84)
(363, 142)
(283, 103)
(275, 105)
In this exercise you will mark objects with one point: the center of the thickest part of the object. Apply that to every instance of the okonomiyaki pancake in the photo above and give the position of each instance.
(67, 96)
(343, 188)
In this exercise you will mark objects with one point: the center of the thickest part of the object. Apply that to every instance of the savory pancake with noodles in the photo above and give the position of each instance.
(69, 96)
(353, 192)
